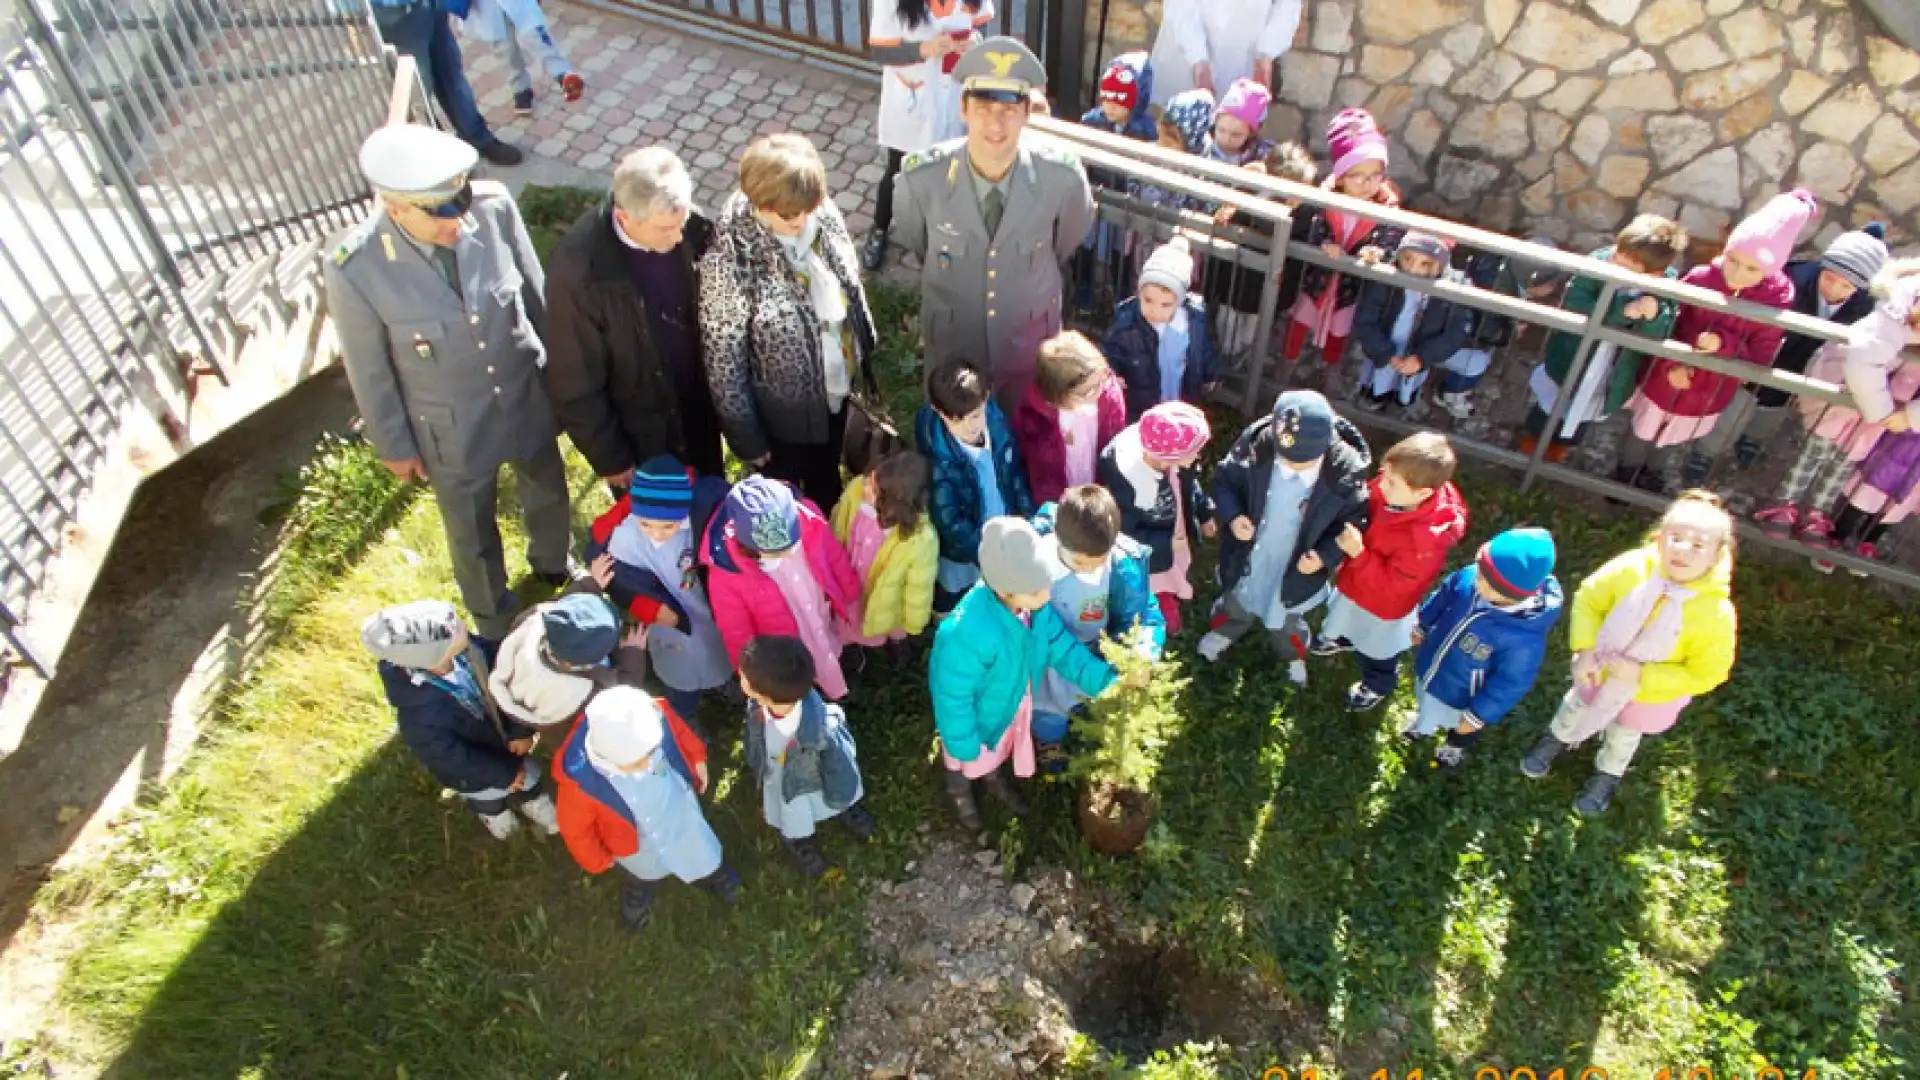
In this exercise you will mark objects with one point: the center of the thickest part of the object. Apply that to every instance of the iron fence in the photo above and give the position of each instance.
(1810, 450)
(837, 29)
(163, 165)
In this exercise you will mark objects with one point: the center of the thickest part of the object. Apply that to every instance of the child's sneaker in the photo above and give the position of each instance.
(1746, 451)
(523, 103)
(1778, 520)
(572, 86)
(1212, 645)
(1052, 758)
(1597, 795)
(540, 812)
(1297, 672)
(859, 822)
(723, 883)
(1361, 699)
(1867, 550)
(1457, 404)
(501, 825)
(636, 904)
(1817, 531)
(1330, 647)
(808, 855)
(1449, 757)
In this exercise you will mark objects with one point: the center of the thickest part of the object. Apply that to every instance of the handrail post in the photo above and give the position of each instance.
(1263, 326)
(1570, 385)
(1066, 50)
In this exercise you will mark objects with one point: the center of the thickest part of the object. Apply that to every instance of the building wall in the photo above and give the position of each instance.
(1564, 118)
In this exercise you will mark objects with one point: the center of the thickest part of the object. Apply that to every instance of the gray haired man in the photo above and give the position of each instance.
(624, 367)
(436, 300)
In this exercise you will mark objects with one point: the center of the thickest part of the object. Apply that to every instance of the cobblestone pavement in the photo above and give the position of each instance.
(650, 84)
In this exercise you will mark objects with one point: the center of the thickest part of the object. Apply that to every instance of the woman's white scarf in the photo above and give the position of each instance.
(1644, 627)
(829, 301)
(1131, 458)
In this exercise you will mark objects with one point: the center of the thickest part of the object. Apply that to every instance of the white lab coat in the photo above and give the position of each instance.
(919, 103)
(1228, 34)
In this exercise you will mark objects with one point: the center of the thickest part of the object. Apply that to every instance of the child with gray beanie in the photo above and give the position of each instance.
(435, 676)
(1159, 342)
(988, 657)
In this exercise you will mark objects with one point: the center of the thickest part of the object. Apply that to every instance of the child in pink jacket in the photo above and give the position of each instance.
(1677, 403)
(775, 567)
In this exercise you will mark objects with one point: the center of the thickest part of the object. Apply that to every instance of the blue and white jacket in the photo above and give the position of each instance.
(1477, 657)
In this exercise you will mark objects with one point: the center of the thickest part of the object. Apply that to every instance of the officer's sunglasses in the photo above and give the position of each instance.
(457, 206)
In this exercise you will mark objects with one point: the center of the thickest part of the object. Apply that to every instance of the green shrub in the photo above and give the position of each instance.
(1128, 727)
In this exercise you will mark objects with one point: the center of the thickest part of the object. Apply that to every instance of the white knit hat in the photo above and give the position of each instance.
(623, 725)
(1170, 267)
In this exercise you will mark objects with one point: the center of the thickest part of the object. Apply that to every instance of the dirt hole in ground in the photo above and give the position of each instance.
(1127, 998)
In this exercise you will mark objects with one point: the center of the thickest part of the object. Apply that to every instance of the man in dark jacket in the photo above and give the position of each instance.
(436, 680)
(1286, 492)
(624, 365)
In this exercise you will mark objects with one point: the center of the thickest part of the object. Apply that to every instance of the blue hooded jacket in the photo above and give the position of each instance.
(1130, 602)
(1140, 122)
(1482, 660)
(955, 505)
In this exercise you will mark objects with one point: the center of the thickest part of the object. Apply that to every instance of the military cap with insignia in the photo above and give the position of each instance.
(1000, 69)
(417, 164)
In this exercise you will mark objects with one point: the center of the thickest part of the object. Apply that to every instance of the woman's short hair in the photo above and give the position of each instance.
(783, 175)
(652, 181)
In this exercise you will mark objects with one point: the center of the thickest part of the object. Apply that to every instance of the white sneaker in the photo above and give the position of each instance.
(1212, 645)
(1457, 405)
(501, 825)
(540, 812)
(1297, 671)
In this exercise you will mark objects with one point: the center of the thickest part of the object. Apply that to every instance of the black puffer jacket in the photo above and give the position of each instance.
(1339, 498)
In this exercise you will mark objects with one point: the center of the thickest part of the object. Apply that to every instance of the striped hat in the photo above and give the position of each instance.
(662, 490)
(1516, 563)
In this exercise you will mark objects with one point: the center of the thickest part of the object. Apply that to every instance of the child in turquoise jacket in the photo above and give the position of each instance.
(989, 656)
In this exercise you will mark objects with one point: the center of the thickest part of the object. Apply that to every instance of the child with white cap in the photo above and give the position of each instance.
(630, 776)
(1159, 342)
(988, 657)
(436, 680)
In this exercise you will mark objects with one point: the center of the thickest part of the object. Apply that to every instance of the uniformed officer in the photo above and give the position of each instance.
(991, 219)
(437, 299)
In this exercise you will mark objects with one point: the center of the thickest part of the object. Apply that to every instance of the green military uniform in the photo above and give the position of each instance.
(993, 295)
(442, 346)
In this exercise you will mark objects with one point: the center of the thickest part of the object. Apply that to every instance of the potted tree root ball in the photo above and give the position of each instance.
(1126, 731)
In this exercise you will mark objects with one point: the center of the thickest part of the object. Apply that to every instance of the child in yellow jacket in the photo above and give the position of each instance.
(882, 519)
(1652, 629)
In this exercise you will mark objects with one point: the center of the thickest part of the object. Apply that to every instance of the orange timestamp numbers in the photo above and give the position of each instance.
(1591, 1072)
(1523, 1073)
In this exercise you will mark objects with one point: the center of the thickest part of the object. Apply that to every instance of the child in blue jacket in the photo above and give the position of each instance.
(990, 657)
(435, 676)
(1159, 342)
(1482, 636)
(1099, 587)
(977, 471)
(1403, 333)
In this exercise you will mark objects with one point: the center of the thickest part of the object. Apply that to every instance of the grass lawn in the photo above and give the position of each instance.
(302, 902)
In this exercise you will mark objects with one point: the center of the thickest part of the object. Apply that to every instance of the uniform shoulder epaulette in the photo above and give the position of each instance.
(1056, 153)
(353, 240)
(928, 156)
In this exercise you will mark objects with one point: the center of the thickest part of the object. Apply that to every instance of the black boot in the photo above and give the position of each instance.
(1002, 792)
(808, 855)
(859, 822)
(1539, 760)
(873, 253)
(636, 904)
(1693, 471)
(960, 801)
(723, 883)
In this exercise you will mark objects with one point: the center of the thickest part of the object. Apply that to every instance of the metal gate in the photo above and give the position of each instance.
(164, 164)
(1054, 29)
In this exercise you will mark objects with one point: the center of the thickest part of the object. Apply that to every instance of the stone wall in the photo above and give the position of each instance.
(1564, 118)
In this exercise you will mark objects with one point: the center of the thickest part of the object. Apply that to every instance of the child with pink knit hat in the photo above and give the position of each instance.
(1235, 138)
(1678, 404)
(1325, 306)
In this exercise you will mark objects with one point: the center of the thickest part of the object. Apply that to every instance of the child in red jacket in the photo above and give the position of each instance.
(1679, 404)
(1417, 516)
(1073, 409)
(630, 776)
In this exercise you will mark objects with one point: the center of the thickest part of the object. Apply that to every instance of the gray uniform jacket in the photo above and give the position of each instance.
(453, 380)
(994, 299)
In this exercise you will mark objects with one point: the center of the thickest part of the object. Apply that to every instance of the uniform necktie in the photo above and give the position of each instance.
(993, 207)
(449, 267)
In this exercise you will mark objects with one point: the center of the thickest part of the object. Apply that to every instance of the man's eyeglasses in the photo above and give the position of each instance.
(457, 206)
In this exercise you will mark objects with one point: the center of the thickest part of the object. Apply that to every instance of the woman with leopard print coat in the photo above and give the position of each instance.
(783, 317)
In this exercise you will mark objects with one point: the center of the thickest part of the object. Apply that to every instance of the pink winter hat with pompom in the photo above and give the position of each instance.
(1767, 237)
(1353, 137)
(1247, 102)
